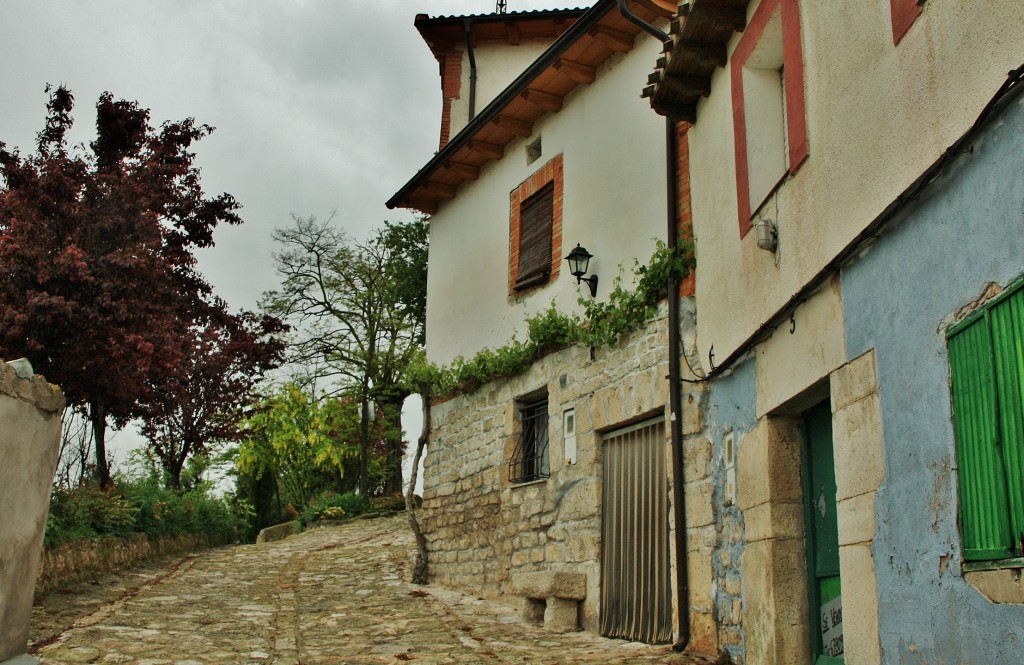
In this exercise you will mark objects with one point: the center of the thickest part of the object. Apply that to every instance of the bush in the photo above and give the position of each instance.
(331, 505)
(384, 504)
(141, 506)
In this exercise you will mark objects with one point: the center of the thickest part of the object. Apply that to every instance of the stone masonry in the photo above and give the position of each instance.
(483, 531)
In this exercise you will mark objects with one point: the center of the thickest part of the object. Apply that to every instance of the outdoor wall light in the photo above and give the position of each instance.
(767, 234)
(579, 261)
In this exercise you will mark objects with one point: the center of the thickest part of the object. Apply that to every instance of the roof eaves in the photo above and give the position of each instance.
(700, 32)
(491, 111)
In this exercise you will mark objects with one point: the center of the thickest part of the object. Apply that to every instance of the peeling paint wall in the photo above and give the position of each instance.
(730, 412)
(966, 231)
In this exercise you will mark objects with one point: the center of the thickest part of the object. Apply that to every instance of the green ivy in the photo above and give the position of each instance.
(602, 323)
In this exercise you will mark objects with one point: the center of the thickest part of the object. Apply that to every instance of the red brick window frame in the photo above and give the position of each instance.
(904, 13)
(549, 174)
(791, 80)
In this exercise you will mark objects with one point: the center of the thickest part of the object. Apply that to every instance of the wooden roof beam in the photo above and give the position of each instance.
(721, 15)
(685, 85)
(616, 40)
(544, 100)
(687, 112)
(467, 171)
(439, 190)
(517, 127)
(663, 8)
(576, 71)
(426, 206)
(711, 54)
(488, 150)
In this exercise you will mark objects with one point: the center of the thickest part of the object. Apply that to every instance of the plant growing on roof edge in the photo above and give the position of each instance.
(602, 323)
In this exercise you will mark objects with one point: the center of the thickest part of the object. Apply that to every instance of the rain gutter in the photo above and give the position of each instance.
(516, 88)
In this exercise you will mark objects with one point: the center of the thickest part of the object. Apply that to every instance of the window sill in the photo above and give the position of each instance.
(539, 481)
(1002, 564)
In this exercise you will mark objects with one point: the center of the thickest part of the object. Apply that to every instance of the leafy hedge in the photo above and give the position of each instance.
(602, 323)
(141, 506)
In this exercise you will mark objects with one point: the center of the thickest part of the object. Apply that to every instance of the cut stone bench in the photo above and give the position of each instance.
(551, 598)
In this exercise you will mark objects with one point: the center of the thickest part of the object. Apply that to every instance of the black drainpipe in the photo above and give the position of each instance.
(468, 26)
(675, 395)
(675, 392)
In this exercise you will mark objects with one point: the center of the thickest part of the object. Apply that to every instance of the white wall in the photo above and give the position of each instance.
(613, 149)
(497, 65)
(877, 115)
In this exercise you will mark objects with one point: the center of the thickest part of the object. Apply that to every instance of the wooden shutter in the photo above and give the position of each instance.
(1006, 323)
(535, 227)
(984, 511)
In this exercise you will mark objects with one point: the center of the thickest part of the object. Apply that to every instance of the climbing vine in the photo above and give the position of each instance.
(601, 323)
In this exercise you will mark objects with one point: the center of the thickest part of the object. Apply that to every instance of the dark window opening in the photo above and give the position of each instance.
(535, 228)
(530, 457)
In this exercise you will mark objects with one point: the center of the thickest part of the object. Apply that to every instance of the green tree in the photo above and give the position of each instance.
(358, 308)
(300, 440)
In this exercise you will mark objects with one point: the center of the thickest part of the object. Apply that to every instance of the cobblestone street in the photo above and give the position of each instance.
(330, 595)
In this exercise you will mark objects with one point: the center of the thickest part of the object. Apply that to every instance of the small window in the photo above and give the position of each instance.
(533, 151)
(986, 358)
(530, 458)
(536, 216)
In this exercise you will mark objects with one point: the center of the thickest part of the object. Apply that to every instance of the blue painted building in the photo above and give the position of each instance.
(962, 237)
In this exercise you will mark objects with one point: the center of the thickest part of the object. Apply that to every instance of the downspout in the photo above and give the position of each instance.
(675, 395)
(675, 391)
(642, 24)
(468, 27)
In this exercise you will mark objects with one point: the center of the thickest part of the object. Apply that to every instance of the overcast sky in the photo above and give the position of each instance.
(318, 105)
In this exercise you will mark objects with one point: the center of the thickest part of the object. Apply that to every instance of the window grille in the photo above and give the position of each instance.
(530, 457)
(986, 357)
(535, 228)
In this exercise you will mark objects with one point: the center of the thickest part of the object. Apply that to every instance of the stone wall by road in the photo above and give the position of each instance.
(480, 528)
(30, 411)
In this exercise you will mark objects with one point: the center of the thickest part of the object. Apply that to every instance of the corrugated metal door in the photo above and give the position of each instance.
(636, 585)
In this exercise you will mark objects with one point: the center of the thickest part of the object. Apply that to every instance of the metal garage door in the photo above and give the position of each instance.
(636, 585)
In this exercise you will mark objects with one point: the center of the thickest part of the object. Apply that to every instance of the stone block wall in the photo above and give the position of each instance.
(480, 528)
(30, 411)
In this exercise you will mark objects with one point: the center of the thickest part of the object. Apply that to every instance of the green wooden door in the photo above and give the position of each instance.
(823, 539)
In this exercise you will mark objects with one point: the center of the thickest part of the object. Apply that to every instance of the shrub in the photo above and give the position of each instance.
(331, 505)
(141, 506)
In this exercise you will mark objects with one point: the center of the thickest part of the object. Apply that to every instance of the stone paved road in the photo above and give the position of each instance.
(331, 595)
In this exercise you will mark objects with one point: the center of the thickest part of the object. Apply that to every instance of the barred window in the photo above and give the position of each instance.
(530, 457)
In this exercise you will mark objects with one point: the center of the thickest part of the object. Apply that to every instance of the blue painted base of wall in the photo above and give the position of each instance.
(965, 232)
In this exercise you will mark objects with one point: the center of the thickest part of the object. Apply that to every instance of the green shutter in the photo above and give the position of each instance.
(1006, 320)
(983, 495)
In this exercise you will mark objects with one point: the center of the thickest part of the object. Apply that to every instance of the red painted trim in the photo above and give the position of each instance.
(793, 63)
(796, 116)
(904, 13)
(550, 172)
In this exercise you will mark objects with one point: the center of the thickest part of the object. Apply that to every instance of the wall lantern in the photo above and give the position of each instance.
(767, 234)
(579, 261)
